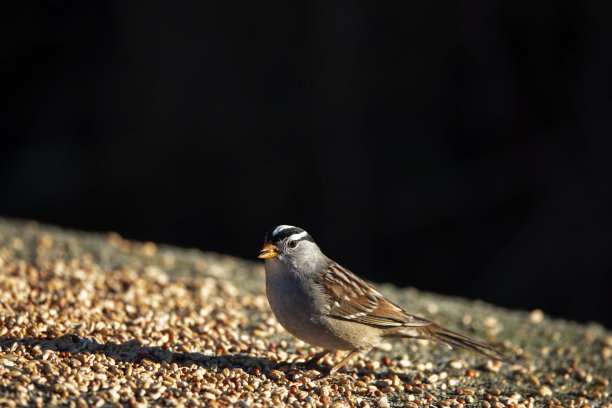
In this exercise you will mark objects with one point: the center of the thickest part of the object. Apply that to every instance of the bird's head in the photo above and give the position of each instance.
(287, 243)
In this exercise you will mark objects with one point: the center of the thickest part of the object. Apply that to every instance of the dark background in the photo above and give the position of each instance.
(461, 149)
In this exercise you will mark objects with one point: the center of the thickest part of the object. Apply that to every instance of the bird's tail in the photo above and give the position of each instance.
(452, 339)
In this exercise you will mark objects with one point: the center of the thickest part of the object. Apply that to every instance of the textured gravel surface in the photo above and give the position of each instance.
(95, 320)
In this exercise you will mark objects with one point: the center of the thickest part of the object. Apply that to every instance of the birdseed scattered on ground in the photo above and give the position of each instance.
(90, 320)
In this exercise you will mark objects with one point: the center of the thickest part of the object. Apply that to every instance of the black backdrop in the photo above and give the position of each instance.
(462, 149)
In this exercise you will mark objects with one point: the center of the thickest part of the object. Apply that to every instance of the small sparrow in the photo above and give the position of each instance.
(324, 304)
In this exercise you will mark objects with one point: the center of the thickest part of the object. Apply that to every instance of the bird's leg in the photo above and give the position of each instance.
(313, 362)
(340, 364)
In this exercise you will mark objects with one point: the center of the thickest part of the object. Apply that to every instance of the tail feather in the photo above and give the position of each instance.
(453, 339)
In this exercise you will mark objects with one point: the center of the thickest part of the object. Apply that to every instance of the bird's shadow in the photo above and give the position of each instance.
(133, 351)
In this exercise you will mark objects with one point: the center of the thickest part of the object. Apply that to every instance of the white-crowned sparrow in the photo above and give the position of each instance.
(326, 305)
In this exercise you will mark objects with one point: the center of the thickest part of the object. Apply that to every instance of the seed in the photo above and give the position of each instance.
(457, 364)
(545, 391)
(534, 380)
(465, 391)
(471, 373)
(385, 346)
(209, 396)
(493, 365)
(490, 321)
(276, 375)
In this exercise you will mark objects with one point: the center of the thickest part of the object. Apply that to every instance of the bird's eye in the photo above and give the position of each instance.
(292, 244)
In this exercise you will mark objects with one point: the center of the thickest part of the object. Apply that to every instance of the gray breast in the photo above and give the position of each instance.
(292, 302)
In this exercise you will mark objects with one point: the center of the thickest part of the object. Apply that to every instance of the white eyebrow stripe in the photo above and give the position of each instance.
(280, 228)
(298, 236)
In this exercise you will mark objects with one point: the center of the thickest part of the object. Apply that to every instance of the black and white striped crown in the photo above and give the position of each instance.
(282, 232)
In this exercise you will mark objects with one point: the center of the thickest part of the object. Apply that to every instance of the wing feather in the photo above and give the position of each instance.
(351, 298)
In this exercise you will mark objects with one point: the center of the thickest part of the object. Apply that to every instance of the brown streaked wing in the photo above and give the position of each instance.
(353, 299)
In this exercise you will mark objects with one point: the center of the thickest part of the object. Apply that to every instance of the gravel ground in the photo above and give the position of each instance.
(95, 320)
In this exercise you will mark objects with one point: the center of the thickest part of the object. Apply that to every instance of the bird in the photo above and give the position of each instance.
(324, 304)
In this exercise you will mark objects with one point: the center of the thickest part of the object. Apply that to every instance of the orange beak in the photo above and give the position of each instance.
(268, 251)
